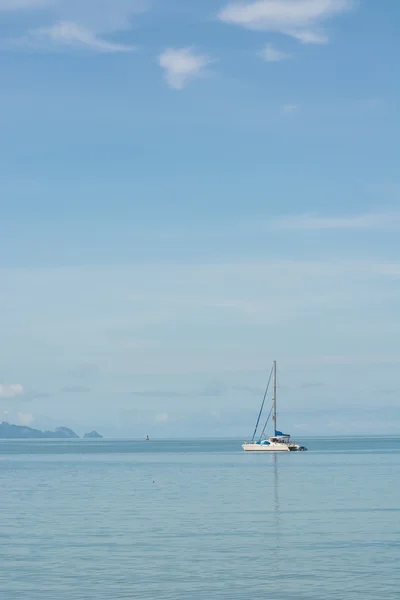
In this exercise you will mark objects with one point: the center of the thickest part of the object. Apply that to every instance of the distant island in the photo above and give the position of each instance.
(15, 432)
(93, 435)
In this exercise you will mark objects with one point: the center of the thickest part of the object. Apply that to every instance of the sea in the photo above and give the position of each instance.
(199, 520)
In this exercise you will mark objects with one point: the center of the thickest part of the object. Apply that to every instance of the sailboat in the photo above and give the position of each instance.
(279, 442)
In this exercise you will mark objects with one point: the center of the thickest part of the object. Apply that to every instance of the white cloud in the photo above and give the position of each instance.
(67, 33)
(271, 54)
(372, 221)
(181, 65)
(290, 109)
(300, 19)
(10, 390)
(25, 419)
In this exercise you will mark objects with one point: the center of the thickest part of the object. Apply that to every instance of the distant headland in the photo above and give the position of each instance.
(93, 435)
(15, 432)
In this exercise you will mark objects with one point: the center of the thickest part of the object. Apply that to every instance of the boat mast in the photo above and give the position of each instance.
(262, 406)
(274, 396)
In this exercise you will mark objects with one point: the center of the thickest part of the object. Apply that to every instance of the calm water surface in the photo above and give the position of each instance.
(199, 520)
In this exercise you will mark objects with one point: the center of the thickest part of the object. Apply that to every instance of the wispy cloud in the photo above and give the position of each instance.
(9, 5)
(349, 360)
(25, 419)
(38, 395)
(271, 54)
(205, 318)
(11, 390)
(372, 104)
(162, 417)
(290, 109)
(104, 15)
(84, 371)
(159, 394)
(310, 385)
(75, 389)
(373, 221)
(67, 34)
(77, 24)
(182, 65)
(309, 37)
(211, 391)
(300, 19)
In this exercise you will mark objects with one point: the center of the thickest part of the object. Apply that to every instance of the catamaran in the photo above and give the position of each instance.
(280, 442)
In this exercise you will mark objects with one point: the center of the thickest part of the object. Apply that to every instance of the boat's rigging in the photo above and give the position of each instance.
(262, 405)
(266, 423)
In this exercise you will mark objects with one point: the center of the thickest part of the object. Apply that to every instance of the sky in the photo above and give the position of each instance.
(188, 191)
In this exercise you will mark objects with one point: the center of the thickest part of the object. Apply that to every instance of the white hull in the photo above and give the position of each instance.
(265, 448)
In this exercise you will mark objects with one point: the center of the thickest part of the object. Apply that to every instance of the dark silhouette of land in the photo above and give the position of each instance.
(93, 435)
(14, 432)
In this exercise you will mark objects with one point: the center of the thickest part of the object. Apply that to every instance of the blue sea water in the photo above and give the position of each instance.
(199, 520)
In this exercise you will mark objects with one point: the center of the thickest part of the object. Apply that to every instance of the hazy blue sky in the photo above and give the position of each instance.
(190, 189)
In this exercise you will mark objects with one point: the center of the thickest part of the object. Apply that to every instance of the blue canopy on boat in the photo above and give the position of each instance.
(280, 434)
